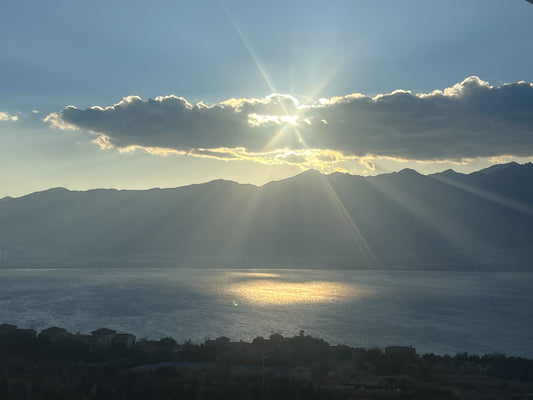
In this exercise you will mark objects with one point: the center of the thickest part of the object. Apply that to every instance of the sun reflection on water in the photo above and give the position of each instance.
(271, 292)
(255, 274)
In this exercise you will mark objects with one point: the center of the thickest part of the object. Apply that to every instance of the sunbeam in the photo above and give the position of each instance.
(275, 139)
(451, 229)
(249, 49)
(268, 80)
(322, 84)
(359, 239)
(495, 198)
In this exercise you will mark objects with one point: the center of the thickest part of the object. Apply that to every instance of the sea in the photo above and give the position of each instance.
(439, 311)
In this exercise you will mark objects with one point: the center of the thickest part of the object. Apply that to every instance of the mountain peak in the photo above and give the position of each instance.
(308, 174)
(311, 172)
(408, 172)
(51, 191)
(446, 173)
(496, 168)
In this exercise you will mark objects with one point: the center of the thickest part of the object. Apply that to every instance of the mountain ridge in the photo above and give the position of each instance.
(399, 219)
(493, 168)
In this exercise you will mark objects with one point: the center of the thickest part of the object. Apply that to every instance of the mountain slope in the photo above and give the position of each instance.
(484, 220)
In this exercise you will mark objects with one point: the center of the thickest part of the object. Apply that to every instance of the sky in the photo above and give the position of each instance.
(135, 95)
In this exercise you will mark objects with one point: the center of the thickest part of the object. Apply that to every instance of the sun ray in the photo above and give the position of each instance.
(437, 221)
(248, 47)
(495, 198)
(359, 239)
(386, 276)
(276, 138)
(318, 88)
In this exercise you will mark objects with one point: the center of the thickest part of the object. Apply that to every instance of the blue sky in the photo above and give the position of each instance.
(58, 53)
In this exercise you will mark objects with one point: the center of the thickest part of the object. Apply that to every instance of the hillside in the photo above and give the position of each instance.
(403, 219)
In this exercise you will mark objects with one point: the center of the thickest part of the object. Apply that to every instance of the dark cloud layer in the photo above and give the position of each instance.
(471, 119)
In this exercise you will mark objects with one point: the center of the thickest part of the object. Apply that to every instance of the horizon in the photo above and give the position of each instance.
(274, 180)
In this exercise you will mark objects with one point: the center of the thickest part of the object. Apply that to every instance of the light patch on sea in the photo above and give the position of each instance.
(441, 312)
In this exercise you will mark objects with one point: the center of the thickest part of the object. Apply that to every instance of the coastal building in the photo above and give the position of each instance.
(84, 339)
(218, 342)
(25, 334)
(7, 329)
(123, 339)
(55, 334)
(103, 337)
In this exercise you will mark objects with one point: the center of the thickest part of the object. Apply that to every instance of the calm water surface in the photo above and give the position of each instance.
(442, 312)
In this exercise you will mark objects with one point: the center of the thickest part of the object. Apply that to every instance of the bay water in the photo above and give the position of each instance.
(437, 311)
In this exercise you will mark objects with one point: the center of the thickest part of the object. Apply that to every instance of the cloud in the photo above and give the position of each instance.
(8, 117)
(468, 120)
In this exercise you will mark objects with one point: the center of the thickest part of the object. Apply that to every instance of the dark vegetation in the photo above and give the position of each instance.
(59, 365)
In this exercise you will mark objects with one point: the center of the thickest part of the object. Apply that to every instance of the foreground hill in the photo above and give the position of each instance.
(403, 219)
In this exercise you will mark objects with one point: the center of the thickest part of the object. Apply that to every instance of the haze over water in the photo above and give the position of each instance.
(442, 312)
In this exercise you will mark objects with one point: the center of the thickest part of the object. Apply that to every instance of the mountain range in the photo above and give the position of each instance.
(482, 220)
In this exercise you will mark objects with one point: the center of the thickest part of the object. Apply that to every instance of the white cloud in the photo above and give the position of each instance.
(8, 117)
(468, 120)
